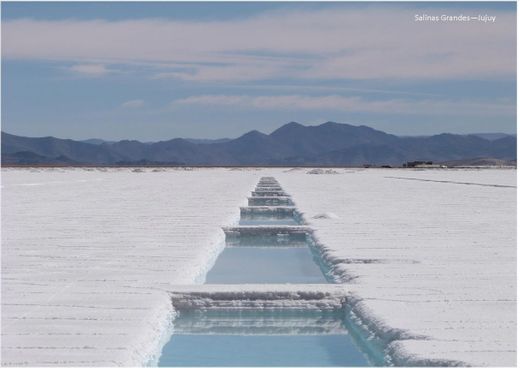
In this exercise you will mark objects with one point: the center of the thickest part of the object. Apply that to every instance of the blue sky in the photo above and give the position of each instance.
(153, 71)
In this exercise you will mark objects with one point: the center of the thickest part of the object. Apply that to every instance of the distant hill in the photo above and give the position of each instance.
(28, 158)
(51, 148)
(292, 144)
(481, 161)
(207, 141)
(492, 136)
(95, 141)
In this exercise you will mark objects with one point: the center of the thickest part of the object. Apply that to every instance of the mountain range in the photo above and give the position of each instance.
(292, 144)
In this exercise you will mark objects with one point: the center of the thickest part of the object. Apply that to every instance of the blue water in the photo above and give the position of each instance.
(262, 265)
(255, 338)
(264, 350)
(267, 239)
(267, 221)
(229, 342)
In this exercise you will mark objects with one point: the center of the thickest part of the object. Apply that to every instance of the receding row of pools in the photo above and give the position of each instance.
(270, 245)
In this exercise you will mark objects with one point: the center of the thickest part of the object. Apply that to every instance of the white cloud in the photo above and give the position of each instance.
(328, 44)
(352, 104)
(231, 73)
(93, 70)
(133, 104)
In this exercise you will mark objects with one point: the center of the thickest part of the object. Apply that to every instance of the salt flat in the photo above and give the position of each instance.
(86, 256)
(432, 261)
(90, 257)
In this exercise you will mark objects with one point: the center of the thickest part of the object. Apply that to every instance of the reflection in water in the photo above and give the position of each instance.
(261, 338)
(266, 337)
(266, 221)
(260, 265)
(271, 218)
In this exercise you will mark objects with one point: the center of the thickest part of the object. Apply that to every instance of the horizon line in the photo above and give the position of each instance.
(108, 140)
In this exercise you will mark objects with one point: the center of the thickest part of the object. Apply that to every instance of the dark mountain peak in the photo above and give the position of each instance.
(207, 141)
(334, 125)
(252, 134)
(362, 132)
(176, 140)
(96, 141)
(456, 138)
(366, 127)
(330, 124)
(492, 136)
(129, 141)
(293, 124)
(330, 143)
(8, 135)
(288, 128)
(507, 138)
(341, 128)
(346, 127)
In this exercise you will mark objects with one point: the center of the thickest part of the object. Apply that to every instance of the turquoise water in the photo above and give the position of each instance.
(255, 338)
(261, 338)
(267, 240)
(263, 350)
(258, 265)
(272, 220)
(256, 221)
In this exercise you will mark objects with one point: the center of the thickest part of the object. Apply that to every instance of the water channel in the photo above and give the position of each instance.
(270, 245)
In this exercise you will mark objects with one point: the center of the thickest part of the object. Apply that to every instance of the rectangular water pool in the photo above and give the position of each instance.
(261, 338)
(265, 265)
(257, 220)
